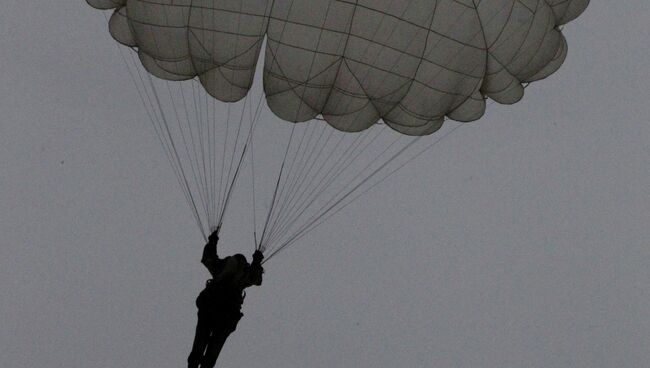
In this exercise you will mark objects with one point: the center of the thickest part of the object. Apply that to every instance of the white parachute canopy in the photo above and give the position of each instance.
(410, 63)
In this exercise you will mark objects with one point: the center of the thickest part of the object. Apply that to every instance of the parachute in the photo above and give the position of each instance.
(377, 71)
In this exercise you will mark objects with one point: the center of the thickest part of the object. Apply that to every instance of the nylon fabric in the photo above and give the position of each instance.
(410, 63)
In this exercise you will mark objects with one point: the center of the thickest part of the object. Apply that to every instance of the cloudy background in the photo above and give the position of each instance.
(518, 241)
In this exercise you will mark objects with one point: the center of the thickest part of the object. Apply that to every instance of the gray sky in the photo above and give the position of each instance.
(519, 241)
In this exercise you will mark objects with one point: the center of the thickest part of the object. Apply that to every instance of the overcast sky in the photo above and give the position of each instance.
(519, 241)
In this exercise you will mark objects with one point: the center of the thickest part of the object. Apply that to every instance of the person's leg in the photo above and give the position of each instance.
(201, 338)
(218, 337)
(215, 344)
(202, 334)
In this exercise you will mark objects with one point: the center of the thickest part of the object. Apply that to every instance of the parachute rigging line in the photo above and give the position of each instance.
(344, 161)
(284, 217)
(152, 115)
(326, 215)
(196, 131)
(329, 212)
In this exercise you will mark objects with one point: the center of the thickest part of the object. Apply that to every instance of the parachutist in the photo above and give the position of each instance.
(220, 302)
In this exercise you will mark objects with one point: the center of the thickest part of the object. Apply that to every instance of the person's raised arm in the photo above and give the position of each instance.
(210, 256)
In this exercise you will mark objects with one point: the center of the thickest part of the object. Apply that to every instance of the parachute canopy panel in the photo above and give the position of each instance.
(411, 63)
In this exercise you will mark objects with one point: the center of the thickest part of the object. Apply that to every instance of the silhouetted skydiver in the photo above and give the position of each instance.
(220, 302)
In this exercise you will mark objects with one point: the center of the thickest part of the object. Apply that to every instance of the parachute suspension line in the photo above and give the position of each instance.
(229, 183)
(192, 159)
(287, 188)
(234, 166)
(195, 151)
(213, 155)
(199, 156)
(232, 185)
(202, 118)
(378, 182)
(197, 129)
(290, 204)
(156, 122)
(411, 159)
(229, 177)
(342, 203)
(175, 151)
(331, 211)
(314, 220)
(299, 193)
(254, 118)
(272, 209)
(222, 179)
(156, 118)
(194, 167)
(239, 164)
(306, 166)
(223, 157)
(207, 156)
(256, 243)
(204, 174)
(345, 159)
(349, 160)
(224, 196)
(260, 245)
(298, 151)
(275, 192)
(141, 88)
(202, 113)
(338, 166)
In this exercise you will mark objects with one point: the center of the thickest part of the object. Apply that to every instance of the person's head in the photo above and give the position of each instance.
(236, 263)
(241, 261)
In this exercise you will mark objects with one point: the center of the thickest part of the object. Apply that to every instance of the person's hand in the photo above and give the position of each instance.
(258, 256)
(214, 237)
